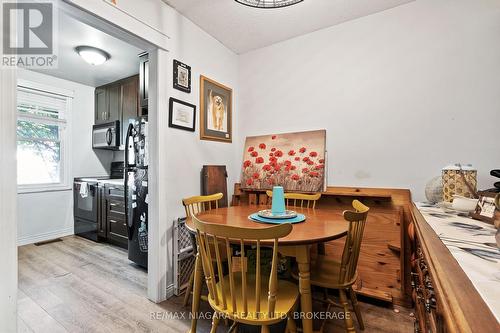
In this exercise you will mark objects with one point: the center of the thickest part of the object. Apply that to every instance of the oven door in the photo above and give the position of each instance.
(85, 207)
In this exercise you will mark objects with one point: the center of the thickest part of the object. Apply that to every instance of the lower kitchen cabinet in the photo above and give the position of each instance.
(114, 218)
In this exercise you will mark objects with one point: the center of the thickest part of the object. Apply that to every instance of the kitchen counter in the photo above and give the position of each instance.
(456, 271)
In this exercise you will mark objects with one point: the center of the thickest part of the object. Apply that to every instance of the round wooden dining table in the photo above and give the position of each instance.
(321, 225)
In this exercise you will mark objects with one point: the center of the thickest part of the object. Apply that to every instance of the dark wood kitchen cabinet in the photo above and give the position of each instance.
(118, 101)
(115, 220)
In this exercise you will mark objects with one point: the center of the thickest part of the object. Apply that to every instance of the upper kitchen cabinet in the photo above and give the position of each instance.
(143, 83)
(117, 101)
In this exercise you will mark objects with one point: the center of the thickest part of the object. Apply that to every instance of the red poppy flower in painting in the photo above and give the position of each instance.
(305, 159)
(322, 161)
(319, 167)
(259, 160)
(271, 154)
(302, 150)
(250, 149)
(305, 170)
(273, 137)
(254, 154)
(272, 159)
(288, 163)
(313, 154)
(278, 153)
(277, 167)
(287, 168)
(247, 163)
(273, 149)
(313, 174)
(293, 167)
(297, 158)
(249, 181)
(266, 167)
(295, 177)
(262, 146)
(291, 153)
(310, 162)
(256, 175)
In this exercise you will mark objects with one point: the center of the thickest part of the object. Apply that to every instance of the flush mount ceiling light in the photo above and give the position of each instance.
(268, 3)
(92, 55)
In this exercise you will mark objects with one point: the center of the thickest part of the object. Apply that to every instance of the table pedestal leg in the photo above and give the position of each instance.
(303, 261)
(196, 293)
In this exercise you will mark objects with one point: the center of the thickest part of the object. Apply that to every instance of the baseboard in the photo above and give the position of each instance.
(170, 291)
(44, 236)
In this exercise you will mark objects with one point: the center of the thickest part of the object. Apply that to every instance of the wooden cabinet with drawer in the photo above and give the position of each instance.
(116, 223)
(445, 298)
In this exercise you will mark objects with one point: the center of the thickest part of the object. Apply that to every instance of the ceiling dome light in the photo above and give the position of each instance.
(268, 3)
(92, 55)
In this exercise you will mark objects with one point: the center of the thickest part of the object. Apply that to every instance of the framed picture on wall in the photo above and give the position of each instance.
(216, 110)
(181, 115)
(182, 76)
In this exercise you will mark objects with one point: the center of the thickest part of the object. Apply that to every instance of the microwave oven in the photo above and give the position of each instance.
(106, 136)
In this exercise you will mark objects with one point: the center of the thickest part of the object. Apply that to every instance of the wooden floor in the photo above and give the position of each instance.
(80, 286)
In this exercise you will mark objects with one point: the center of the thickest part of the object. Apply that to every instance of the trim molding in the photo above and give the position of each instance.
(45, 236)
(8, 200)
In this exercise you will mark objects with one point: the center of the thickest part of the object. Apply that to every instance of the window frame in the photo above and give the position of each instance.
(65, 139)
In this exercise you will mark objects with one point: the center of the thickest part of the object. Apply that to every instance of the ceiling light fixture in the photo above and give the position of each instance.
(268, 3)
(92, 55)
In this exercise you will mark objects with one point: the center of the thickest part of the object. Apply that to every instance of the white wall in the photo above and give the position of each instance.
(186, 153)
(401, 93)
(46, 215)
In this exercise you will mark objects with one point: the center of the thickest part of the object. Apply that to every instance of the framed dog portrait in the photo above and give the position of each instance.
(182, 76)
(216, 110)
(181, 115)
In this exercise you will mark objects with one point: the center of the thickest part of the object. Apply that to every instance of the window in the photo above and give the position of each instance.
(42, 138)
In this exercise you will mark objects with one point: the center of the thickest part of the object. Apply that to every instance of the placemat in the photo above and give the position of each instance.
(255, 217)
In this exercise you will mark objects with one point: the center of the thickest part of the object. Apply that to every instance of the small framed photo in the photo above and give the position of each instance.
(181, 115)
(182, 76)
(486, 208)
(216, 111)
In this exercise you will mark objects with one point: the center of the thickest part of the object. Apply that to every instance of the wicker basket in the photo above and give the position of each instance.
(459, 180)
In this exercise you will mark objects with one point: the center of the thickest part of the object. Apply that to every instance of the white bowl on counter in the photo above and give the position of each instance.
(464, 204)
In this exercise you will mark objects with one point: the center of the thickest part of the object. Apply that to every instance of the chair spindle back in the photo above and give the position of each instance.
(299, 199)
(198, 204)
(223, 296)
(352, 247)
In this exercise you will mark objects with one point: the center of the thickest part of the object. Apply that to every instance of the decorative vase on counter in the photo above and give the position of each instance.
(459, 180)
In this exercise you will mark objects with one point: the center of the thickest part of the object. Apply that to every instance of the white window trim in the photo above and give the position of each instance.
(66, 167)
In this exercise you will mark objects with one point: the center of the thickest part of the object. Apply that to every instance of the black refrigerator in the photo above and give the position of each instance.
(136, 190)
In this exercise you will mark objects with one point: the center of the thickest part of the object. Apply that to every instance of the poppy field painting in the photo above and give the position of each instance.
(295, 161)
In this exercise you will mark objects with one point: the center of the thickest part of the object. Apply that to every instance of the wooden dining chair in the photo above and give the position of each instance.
(193, 206)
(341, 275)
(247, 298)
(299, 199)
